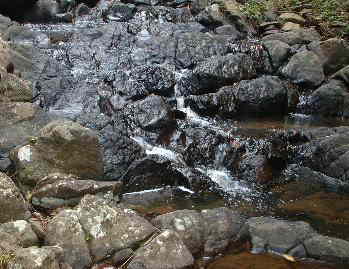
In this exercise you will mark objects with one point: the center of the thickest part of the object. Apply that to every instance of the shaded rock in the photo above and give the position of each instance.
(152, 113)
(269, 234)
(5, 164)
(42, 11)
(66, 231)
(219, 71)
(278, 52)
(301, 36)
(264, 95)
(13, 88)
(327, 248)
(290, 26)
(256, 168)
(151, 172)
(15, 112)
(120, 12)
(291, 17)
(222, 226)
(122, 255)
(12, 204)
(109, 228)
(333, 53)
(22, 231)
(343, 75)
(331, 99)
(229, 30)
(62, 146)
(329, 154)
(36, 258)
(58, 190)
(164, 251)
(305, 68)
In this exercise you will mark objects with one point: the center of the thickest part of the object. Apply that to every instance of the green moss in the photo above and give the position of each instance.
(254, 9)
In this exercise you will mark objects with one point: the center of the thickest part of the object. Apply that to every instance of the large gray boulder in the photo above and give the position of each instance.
(209, 231)
(305, 68)
(331, 99)
(278, 51)
(334, 54)
(62, 146)
(165, 251)
(328, 248)
(94, 230)
(12, 204)
(270, 234)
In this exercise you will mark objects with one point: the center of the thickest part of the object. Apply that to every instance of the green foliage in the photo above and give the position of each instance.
(5, 259)
(254, 9)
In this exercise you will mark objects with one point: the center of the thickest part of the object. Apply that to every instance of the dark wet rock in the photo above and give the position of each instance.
(317, 181)
(331, 99)
(262, 96)
(342, 74)
(5, 164)
(62, 146)
(256, 168)
(11, 7)
(198, 5)
(37, 258)
(145, 80)
(301, 36)
(66, 231)
(22, 231)
(224, 70)
(278, 52)
(120, 12)
(82, 10)
(12, 205)
(305, 68)
(209, 231)
(333, 53)
(269, 234)
(150, 114)
(164, 251)
(59, 190)
(109, 228)
(327, 248)
(42, 11)
(151, 172)
(184, 49)
(329, 154)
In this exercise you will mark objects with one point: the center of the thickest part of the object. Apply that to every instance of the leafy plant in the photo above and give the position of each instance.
(254, 9)
(5, 259)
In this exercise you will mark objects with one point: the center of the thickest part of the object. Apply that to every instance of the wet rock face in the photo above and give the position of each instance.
(62, 146)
